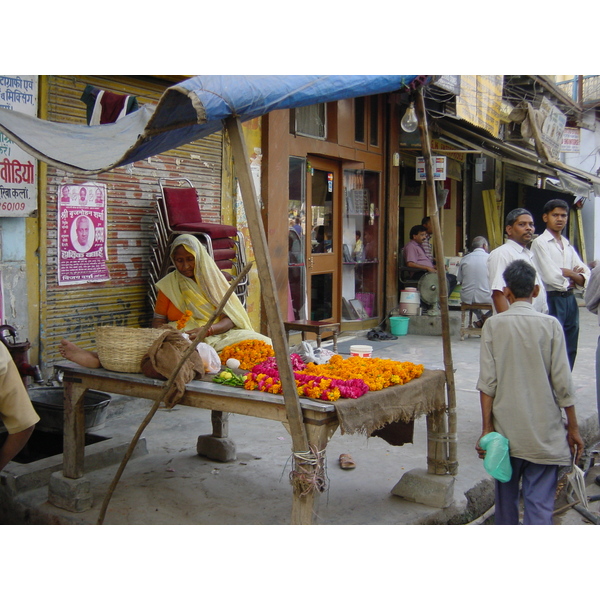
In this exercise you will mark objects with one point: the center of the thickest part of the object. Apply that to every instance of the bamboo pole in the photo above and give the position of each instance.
(303, 503)
(166, 389)
(432, 211)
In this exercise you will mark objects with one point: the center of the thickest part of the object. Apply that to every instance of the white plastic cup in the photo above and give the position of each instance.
(362, 351)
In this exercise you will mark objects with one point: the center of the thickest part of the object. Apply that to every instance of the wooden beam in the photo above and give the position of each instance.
(268, 291)
(432, 211)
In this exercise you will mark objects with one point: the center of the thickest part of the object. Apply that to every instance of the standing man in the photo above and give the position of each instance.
(473, 275)
(16, 411)
(525, 384)
(519, 229)
(592, 302)
(427, 246)
(561, 270)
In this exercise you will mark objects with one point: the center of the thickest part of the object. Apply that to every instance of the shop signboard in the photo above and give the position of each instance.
(18, 170)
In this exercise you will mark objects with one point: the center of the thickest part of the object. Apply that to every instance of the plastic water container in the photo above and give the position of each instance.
(399, 325)
(409, 301)
(362, 351)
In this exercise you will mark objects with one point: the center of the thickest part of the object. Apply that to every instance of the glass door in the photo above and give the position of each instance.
(323, 190)
(361, 247)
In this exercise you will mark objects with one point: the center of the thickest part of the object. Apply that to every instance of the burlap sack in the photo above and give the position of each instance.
(163, 357)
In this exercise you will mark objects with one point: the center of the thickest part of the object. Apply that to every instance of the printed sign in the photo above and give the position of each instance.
(570, 140)
(82, 234)
(439, 168)
(18, 170)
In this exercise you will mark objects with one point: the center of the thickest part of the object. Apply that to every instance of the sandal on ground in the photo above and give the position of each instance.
(346, 462)
(478, 324)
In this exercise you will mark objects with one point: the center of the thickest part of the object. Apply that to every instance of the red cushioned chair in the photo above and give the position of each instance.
(179, 212)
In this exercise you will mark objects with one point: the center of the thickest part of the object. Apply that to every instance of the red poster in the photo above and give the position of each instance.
(82, 234)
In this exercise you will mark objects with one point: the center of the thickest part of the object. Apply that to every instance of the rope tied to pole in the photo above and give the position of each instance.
(308, 472)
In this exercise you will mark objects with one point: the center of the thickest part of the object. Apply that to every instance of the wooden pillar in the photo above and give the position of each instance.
(272, 308)
(74, 430)
(432, 211)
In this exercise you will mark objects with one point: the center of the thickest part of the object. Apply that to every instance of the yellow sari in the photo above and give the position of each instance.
(202, 295)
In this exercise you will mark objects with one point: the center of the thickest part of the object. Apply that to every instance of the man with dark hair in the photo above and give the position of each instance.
(414, 254)
(415, 257)
(561, 270)
(519, 229)
(524, 384)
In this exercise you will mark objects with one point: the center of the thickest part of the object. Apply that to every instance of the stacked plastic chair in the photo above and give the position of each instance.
(178, 212)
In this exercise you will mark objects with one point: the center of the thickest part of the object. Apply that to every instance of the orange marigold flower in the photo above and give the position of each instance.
(185, 317)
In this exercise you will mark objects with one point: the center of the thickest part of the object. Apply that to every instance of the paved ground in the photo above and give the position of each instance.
(171, 484)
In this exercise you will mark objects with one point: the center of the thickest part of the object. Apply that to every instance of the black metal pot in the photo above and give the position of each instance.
(49, 405)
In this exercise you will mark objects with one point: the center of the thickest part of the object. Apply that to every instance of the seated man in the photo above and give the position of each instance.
(473, 275)
(416, 259)
(17, 412)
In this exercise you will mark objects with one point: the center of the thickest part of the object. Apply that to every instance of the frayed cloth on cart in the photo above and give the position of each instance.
(406, 403)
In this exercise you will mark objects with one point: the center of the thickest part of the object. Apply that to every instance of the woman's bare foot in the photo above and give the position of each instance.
(72, 352)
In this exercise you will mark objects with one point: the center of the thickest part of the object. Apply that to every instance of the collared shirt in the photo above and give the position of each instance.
(427, 247)
(16, 411)
(592, 292)
(473, 276)
(524, 368)
(501, 257)
(413, 252)
(550, 258)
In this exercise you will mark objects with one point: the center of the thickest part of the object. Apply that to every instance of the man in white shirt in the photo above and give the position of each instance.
(561, 270)
(473, 277)
(519, 229)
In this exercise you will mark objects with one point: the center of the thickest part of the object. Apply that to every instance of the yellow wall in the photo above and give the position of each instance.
(233, 212)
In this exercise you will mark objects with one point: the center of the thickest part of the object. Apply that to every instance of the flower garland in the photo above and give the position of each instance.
(185, 317)
(377, 373)
(340, 378)
(248, 352)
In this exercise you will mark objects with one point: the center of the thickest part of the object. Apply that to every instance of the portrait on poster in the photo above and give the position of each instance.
(82, 233)
(82, 252)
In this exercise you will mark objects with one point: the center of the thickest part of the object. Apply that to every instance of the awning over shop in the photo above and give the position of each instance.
(557, 175)
(188, 111)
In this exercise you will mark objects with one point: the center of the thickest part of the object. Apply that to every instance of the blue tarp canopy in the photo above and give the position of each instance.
(185, 112)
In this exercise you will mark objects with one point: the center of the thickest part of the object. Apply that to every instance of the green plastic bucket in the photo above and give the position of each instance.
(399, 325)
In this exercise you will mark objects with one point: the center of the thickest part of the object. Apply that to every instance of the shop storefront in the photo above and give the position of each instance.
(334, 185)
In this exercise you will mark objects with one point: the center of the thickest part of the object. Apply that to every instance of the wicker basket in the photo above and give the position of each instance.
(121, 349)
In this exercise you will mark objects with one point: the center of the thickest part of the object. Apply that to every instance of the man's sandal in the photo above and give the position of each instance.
(346, 462)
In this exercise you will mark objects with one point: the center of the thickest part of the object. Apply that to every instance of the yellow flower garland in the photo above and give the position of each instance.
(248, 352)
(377, 373)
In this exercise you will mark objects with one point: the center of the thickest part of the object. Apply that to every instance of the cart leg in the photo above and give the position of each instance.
(70, 490)
(437, 456)
(304, 505)
(217, 446)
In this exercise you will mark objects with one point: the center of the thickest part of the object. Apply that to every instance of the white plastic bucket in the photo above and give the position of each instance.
(362, 351)
(409, 302)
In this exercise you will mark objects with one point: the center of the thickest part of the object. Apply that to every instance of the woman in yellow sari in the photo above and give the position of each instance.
(197, 285)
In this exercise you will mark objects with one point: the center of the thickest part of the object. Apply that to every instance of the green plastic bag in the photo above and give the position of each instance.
(497, 456)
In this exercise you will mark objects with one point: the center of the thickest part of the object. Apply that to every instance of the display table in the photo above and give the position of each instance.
(423, 396)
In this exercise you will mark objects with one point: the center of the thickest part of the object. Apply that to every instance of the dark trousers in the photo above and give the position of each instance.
(539, 488)
(567, 312)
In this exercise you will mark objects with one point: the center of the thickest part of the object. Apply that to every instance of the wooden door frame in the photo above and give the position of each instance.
(326, 164)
